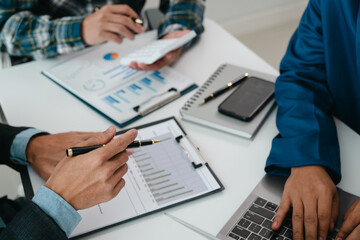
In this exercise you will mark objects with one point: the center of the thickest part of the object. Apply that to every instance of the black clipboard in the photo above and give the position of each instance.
(29, 192)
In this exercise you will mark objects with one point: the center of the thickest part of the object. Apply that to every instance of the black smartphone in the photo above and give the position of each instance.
(248, 99)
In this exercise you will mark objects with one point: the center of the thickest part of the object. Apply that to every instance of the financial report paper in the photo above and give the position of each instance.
(97, 77)
(159, 176)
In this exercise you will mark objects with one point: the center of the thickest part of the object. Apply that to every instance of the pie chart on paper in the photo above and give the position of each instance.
(111, 56)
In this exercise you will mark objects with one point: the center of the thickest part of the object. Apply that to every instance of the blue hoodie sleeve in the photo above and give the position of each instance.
(307, 132)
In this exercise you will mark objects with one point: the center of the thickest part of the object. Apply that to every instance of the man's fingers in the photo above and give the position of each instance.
(298, 220)
(162, 62)
(310, 217)
(99, 138)
(355, 234)
(281, 213)
(117, 145)
(112, 37)
(349, 224)
(153, 67)
(115, 163)
(118, 175)
(119, 29)
(325, 204)
(334, 211)
(126, 21)
(118, 187)
(122, 9)
(168, 59)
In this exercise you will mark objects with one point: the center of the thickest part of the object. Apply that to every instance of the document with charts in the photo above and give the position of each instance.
(122, 94)
(159, 176)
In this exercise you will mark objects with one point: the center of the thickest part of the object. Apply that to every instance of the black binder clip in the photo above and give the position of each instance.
(178, 138)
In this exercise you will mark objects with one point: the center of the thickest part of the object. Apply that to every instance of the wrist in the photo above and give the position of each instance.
(294, 170)
(34, 146)
(60, 190)
(58, 209)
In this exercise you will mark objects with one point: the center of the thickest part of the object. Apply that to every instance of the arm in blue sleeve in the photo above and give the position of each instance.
(51, 203)
(19, 144)
(307, 130)
(58, 209)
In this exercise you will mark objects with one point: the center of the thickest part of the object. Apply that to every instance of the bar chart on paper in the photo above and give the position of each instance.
(167, 172)
(134, 93)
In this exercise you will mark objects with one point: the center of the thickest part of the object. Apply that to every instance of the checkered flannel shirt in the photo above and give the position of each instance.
(45, 28)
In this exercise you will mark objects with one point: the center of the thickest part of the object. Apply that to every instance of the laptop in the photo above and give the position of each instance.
(253, 219)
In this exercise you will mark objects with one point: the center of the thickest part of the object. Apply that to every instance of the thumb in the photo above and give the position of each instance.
(100, 138)
(119, 144)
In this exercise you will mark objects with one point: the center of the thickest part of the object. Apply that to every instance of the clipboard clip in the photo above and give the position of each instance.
(178, 140)
(157, 101)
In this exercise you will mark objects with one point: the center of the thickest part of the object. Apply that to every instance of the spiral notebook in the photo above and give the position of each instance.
(208, 115)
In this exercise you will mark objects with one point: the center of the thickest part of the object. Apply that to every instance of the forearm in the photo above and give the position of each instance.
(307, 130)
(25, 34)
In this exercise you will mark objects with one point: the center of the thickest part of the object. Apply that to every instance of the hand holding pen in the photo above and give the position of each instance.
(223, 89)
(109, 23)
(89, 179)
(75, 151)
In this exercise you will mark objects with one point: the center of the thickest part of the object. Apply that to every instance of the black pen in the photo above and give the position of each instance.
(223, 89)
(74, 151)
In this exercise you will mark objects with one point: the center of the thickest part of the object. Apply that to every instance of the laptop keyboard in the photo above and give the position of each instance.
(256, 223)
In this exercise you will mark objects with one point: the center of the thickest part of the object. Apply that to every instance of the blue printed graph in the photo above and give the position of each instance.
(147, 83)
(121, 94)
(135, 89)
(121, 72)
(112, 102)
(156, 75)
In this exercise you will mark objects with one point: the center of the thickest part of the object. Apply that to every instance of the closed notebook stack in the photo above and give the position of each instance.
(208, 115)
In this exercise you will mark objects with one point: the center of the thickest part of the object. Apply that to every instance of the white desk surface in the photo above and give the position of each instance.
(30, 99)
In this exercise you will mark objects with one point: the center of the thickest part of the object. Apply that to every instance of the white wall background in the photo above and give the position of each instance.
(225, 10)
(244, 16)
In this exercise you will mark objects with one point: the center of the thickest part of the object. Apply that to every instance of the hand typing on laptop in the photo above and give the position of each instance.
(312, 195)
(315, 204)
(350, 228)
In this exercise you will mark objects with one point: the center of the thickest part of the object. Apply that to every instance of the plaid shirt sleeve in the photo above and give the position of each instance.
(24, 34)
(181, 15)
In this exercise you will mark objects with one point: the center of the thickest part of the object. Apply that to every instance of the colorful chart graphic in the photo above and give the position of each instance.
(111, 56)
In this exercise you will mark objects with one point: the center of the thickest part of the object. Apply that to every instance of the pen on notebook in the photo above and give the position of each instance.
(225, 88)
(136, 20)
(74, 151)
